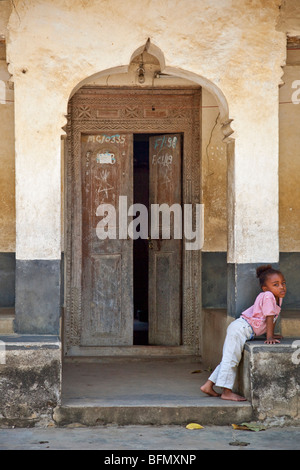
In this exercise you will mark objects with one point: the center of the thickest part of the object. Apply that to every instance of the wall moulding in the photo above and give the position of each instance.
(174, 72)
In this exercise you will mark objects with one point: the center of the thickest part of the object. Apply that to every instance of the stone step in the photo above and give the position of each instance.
(153, 391)
(208, 413)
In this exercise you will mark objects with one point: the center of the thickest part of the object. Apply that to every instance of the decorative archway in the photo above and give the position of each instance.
(155, 51)
(82, 120)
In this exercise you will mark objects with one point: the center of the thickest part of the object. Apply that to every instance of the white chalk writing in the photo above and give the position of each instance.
(103, 138)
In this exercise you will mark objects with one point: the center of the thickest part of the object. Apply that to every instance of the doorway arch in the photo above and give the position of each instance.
(176, 72)
(88, 119)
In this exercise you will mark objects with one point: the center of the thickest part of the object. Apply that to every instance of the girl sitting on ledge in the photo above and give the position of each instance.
(255, 321)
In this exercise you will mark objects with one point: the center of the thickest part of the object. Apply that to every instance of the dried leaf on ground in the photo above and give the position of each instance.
(249, 427)
(240, 427)
(194, 426)
(254, 426)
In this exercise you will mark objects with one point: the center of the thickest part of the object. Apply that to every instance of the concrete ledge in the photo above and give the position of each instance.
(269, 378)
(38, 297)
(30, 379)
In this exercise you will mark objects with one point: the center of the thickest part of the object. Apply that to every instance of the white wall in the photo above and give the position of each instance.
(233, 47)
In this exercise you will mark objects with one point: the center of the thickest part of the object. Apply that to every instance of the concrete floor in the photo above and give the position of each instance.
(139, 381)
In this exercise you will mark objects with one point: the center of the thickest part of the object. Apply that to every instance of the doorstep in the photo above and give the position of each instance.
(156, 391)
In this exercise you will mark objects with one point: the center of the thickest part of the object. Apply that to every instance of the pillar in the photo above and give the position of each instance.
(253, 235)
(38, 213)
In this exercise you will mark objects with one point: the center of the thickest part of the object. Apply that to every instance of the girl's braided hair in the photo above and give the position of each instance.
(262, 272)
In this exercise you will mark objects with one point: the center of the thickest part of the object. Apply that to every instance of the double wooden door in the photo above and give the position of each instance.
(98, 289)
(107, 239)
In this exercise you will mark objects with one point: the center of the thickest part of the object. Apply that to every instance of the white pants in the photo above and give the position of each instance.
(238, 332)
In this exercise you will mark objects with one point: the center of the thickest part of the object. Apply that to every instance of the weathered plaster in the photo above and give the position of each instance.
(214, 176)
(68, 41)
(289, 160)
(7, 164)
(289, 19)
(5, 11)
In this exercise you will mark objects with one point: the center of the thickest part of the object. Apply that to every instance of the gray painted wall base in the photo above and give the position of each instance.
(7, 279)
(217, 283)
(242, 287)
(38, 284)
(220, 281)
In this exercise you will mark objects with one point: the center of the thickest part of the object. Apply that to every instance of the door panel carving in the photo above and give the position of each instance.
(107, 300)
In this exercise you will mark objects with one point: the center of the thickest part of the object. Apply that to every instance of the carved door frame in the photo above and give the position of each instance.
(132, 110)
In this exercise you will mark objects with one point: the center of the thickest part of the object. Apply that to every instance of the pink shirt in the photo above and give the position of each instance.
(264, 305)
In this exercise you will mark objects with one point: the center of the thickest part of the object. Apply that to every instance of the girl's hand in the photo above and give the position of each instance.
(272, 340)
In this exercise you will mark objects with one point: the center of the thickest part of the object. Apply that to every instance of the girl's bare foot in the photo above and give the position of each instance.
(229, 395)
(208, 389)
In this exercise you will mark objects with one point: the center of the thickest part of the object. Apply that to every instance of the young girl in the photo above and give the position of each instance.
(255, 321)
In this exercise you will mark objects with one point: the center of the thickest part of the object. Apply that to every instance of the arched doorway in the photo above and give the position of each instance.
(109, 118)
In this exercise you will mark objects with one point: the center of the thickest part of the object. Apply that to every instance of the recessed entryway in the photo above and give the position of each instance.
(140, 246)
(143, 145)
(157, 262)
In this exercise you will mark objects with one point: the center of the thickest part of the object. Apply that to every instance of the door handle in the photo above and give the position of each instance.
(151, 246)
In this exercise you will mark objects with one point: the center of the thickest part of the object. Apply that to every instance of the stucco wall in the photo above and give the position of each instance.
(289, 155)
(7, 168)
(289, 18)
(58, 55)
(214, 176)
(7, 146)
(289, 114)
(65, 44)
(213, 181)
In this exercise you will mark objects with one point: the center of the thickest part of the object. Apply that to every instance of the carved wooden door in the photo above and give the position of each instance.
(165, 246)
(95, 269)
(107, 263)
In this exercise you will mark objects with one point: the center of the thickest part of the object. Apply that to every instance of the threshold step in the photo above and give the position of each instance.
(142, 392)
(208, 413)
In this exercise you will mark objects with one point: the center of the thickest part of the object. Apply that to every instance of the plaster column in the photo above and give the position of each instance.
(253, 211)
(38, 208)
